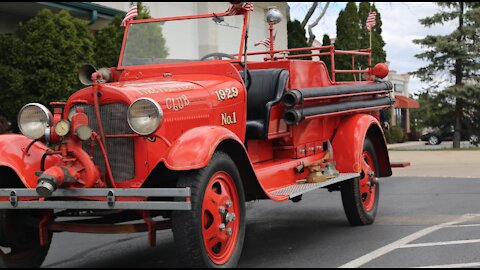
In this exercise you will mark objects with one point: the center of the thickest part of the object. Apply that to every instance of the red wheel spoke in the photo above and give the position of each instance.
(364, 187)
(211, 232)
(365, 167)
(212, 243)
(225, 193)
(216, 198)
(210, 205)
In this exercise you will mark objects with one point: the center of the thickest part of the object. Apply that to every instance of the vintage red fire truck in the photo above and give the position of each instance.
(181, 137)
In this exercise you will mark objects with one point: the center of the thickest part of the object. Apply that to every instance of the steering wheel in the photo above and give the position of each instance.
(220, 55)
(217, 54)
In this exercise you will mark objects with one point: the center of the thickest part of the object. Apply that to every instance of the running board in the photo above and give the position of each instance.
(301, 188)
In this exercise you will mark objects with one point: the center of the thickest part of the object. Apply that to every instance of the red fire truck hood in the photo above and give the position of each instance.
(197, 88)
(155, 89)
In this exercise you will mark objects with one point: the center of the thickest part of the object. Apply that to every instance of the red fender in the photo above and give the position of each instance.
(13, 156)
(195, 147)
(348, 144)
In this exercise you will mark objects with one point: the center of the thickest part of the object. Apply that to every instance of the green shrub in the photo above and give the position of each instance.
(395, 134)
(40, 61)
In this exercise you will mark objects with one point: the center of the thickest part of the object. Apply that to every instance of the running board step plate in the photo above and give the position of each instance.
(298, 189)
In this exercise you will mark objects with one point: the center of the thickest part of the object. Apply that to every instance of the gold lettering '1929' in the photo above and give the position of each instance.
(229, 119)
(227, 93)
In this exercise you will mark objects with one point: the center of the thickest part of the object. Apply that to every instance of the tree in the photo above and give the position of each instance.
(348, 30)
(378, 53)
(296, 37)
(145, 41)
(55, 46)
(311, 36)
(326, 59)
(45, 54)
(296, 29)
(436, 110)
(11, 77)
(457, 55)
(108, 41)
(363, 11)
(308, 16)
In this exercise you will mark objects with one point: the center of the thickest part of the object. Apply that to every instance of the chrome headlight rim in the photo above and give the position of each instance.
(158, 109)
(47, 113)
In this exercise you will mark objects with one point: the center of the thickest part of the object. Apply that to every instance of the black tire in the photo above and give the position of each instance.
(187, 226)
(474, 140)
(352, 198)
(22, 241)
(434, 140)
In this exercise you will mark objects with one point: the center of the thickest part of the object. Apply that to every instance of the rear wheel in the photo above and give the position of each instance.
(212, 233)
(433, 140)
(474, 140)
(20, 243)
(360, 195)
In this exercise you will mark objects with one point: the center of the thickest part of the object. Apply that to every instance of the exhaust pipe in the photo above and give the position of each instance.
(293, 116)
(294, 97)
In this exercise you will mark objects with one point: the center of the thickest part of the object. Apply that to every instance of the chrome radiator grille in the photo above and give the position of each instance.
(120, 151)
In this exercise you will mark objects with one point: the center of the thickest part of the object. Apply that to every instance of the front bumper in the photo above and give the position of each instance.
(105, 199)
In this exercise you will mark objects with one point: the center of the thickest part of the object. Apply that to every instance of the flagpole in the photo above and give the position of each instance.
(371, 29)
(370, 40)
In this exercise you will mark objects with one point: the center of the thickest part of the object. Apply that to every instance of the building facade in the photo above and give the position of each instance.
(179, 38)
(400, 112)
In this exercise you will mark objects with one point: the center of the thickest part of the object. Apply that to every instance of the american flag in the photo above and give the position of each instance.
(264, 42)
(238, 8)
(371, 20)
(132, 13)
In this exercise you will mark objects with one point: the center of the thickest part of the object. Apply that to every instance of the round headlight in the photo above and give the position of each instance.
(33, 120)
(144, 116)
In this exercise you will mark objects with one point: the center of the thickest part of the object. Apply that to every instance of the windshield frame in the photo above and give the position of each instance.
(179, 18)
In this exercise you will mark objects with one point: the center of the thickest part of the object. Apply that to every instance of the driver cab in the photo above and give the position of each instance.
(265, 89)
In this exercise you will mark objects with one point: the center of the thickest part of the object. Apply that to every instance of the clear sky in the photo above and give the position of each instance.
(400, 27)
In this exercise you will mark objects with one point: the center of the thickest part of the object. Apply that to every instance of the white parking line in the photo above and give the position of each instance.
(464, 225)
(458, 265)
(444, 243)
(399, 243)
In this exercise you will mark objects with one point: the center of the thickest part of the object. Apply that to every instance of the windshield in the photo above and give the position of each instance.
(181, 40)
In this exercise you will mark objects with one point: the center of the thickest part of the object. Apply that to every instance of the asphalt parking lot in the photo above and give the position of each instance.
(421, 222)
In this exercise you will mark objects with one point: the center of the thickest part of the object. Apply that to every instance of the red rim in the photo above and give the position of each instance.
(220, 217)
(367, 188)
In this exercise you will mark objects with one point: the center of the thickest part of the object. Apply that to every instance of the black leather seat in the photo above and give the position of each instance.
(266, 90)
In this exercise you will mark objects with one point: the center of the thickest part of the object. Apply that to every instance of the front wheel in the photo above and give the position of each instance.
(360, 195)
(20, 242)
(211, 234)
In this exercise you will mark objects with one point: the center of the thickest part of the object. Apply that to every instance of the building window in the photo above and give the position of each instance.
(399, 88)
(398, 117)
